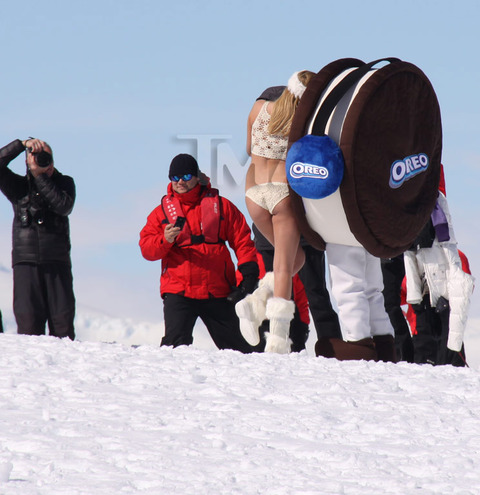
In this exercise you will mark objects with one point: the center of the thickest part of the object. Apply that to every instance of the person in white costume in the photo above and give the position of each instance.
(435, 273)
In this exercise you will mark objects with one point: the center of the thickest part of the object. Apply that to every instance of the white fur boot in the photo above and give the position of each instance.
(280, 313)
(251, 309)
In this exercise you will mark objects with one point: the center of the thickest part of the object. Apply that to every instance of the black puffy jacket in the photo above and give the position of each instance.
(41, 205)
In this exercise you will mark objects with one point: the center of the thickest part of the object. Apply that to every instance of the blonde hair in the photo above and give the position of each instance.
(284, 107)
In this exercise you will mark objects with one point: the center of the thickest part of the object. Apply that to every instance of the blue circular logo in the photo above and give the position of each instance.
(314, 166)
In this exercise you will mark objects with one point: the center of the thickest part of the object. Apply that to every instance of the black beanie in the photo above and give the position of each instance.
(272, 93)
(183, 164)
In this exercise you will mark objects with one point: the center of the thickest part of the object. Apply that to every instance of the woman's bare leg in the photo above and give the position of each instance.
(288, 257)
(261, 218)
(282, 232)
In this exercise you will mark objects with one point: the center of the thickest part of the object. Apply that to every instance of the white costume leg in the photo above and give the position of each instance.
(347, 266)
(379, 321)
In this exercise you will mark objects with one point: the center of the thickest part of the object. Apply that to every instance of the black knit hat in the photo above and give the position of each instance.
(272, 93)
(183, 164)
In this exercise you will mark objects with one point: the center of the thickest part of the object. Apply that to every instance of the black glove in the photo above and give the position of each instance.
(250, 273)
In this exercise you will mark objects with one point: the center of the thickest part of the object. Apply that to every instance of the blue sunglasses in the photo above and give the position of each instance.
(176, 178)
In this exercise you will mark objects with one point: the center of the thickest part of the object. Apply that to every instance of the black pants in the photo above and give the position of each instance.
(1, 322)
(41, 294)
(430, 341)
(393, 271)
(313, 278)
(219, 316)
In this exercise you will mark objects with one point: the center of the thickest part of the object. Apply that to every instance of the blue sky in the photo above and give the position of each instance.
(113, 85)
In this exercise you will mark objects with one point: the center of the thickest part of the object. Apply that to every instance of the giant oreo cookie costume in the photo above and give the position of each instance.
(386, 122)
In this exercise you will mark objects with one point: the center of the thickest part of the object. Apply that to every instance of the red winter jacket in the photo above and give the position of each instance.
(198, 271)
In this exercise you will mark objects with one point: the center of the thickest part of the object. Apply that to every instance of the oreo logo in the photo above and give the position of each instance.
(403, 170)
(312, 158)
(299, 170)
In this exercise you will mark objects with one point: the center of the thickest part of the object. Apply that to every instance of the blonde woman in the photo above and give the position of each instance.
(268, 202)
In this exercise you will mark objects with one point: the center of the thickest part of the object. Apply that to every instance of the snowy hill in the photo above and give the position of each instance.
(89, 417)
(96, 418)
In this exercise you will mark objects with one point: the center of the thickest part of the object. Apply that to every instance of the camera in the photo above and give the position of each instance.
(43, 158)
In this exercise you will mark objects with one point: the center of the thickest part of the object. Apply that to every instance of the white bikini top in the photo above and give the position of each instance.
(265, 144)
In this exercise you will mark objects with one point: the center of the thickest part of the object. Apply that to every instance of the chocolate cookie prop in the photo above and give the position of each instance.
(364, 155)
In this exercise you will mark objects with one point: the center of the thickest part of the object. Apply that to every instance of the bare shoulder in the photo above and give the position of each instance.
(257, 106)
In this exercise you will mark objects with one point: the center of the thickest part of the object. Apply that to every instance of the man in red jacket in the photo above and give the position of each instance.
(188, 231)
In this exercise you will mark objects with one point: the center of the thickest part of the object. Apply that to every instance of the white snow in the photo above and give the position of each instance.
(97, 418)
(89, 417)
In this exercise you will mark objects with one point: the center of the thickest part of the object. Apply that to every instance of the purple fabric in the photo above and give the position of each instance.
(440, 224)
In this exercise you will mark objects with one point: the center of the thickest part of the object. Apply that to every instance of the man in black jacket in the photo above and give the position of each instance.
(42, 275)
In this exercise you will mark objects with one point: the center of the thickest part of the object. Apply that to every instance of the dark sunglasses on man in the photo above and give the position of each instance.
(185, 178)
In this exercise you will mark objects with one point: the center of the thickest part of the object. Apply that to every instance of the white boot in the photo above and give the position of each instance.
(251, 309)
(280, 313)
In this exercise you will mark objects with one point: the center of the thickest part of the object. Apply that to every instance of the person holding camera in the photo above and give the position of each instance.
(42, 199)
(188, 231)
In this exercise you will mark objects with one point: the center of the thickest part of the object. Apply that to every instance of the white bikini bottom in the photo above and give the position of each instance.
(268, 195)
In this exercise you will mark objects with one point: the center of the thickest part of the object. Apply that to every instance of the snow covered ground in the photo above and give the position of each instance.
(97, 418)
(89, 417)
